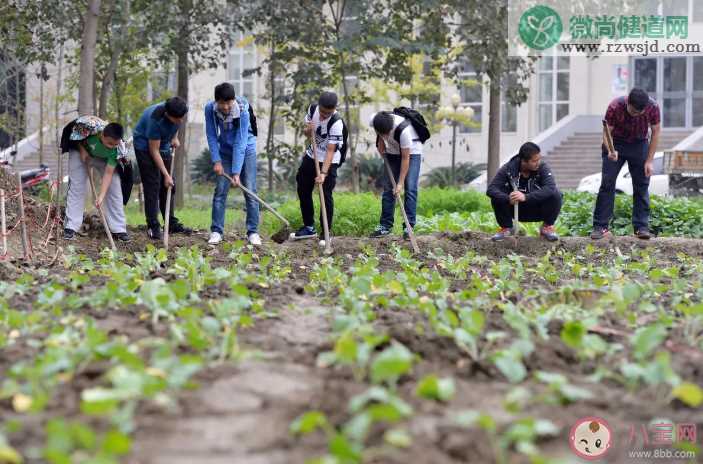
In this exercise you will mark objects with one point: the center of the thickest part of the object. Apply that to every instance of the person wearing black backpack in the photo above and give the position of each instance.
(327, 129)
(400, 136)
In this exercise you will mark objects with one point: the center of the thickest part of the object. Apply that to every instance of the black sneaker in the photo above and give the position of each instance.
(154, 233)
(599, 233)
(380, 232)
(69, 234)
(303, 233)
(178, 228)
(643, 233)
(121, 237)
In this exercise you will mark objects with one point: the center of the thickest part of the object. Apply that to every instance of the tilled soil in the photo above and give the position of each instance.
(241, 412)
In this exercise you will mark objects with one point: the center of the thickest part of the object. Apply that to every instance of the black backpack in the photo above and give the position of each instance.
(252, 122)
(411, 117)
(345, 132)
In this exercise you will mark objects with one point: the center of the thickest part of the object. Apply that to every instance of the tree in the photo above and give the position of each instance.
(86, 95)
(482, 41)
(194, 34)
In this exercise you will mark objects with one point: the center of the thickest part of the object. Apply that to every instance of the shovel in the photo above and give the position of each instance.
(416, 249)
(609, 141)
(280, 236)
(168, 200)
(100, 210)
(516, 217)
(323, 210)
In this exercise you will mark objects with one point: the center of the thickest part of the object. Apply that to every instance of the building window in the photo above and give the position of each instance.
(471, 93)
(697, 11)
(553, 92)
(674, 111)
(508, 112)
(677, 84)
(242, 62)
(697, 107)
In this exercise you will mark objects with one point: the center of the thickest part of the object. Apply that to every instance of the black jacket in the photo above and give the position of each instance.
(540, 185)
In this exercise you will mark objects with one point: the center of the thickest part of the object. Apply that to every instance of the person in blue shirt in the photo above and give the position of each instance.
(230, 127)
(154, 137)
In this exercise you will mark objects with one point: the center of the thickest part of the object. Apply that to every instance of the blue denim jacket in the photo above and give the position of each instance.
(228, 142)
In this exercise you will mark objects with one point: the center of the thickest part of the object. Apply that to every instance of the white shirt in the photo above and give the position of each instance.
(408, 138)
(322, 138)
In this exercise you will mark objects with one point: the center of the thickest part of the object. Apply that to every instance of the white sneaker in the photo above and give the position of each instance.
(215, 238)
(254, 239)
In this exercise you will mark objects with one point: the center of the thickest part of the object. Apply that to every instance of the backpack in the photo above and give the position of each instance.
(345, 132)
(411, 117)
(252, 122)
(80, 129)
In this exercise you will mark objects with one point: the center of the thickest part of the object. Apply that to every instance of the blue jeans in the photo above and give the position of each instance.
(248, 179)
(412, 181)
(635, 154)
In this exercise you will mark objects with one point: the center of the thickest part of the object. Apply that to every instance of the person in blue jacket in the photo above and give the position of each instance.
(230, 126)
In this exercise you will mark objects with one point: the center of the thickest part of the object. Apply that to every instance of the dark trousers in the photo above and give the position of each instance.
(546, 210)
(635, 154)
(306, 184)
(154, 189)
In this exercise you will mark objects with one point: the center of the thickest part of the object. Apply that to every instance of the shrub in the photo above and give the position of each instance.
(463, 174)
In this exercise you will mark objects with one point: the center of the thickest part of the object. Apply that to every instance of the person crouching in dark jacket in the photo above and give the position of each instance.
(528, 181)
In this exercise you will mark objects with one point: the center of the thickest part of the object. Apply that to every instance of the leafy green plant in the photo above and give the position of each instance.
(464, 173)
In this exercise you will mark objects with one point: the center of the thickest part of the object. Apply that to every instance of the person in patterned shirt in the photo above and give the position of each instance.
(630, 120)
(98, 151)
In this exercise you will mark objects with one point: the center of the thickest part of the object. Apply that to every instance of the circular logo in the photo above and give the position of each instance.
(590, 438)
(540, 27)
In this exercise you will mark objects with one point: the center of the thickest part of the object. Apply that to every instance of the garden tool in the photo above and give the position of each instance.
(280, 236)
(100, 209)
(168, 200)
(416, 249)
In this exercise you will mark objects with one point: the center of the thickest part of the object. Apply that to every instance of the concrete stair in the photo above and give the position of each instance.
(580, 155)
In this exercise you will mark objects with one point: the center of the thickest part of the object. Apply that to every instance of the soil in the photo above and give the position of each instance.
(241, 412)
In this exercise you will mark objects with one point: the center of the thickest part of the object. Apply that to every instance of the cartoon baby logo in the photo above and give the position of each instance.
(590, 438)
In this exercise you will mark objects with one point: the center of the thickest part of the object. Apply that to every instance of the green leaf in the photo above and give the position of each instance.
(647, 339)
(116, 443)
(572, 334)
(510, 366)
(436, 389)
(340, 447)
(398, 437)
(393, 362)
(308, 422)
(689, 393)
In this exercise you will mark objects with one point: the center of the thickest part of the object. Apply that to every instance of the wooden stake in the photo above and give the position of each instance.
(23, 222)
(3, 223)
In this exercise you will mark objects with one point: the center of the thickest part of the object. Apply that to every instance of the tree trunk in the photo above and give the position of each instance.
(183, 74)
(272, 117)
(351, 125)
(18, 110)
(116, 44)
(57, 119)
(41, 114)
(106, 87)
(494, 129)
(86, 95)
